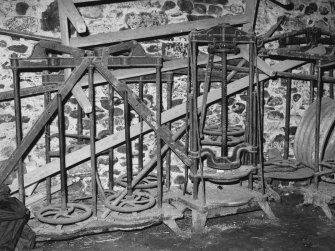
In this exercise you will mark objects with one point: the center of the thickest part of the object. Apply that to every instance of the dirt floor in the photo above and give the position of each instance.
(297, 228)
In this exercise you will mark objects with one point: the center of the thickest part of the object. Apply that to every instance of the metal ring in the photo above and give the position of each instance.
(56, 216)
(304, 142)
(139, 201)
(150, 181)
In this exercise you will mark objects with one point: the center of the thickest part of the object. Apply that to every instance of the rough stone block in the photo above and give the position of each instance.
(214, 10)
(21, 8)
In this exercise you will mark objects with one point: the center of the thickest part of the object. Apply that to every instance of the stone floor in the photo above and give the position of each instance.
(297, 228)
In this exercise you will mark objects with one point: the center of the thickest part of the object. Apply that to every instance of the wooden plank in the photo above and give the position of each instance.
(6, 168)
(82, 99)
(156, 31)
(167, 116)
(67, 8)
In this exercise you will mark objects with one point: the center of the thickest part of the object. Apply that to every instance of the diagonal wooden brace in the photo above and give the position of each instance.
(67, 10)
(251, 14)
(261, 64)
(144, 112)
(34, 134)
(82, 99)
(70, 11)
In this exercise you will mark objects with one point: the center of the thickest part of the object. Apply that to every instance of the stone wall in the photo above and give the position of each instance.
(41, 17)
(303, 14)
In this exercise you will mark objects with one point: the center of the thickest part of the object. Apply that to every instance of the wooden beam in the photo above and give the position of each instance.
(82, 99)
(67, 8)
(176, 112)
(251, 12)
(156, 31)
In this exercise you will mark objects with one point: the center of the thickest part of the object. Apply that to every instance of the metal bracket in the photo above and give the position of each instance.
(226, 163)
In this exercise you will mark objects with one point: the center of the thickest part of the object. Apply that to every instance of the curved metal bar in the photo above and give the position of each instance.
(226, 163)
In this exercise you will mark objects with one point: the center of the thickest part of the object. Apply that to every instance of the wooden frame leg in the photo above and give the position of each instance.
(198, 221)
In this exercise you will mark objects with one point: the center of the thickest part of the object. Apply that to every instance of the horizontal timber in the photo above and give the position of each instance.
(156, 31)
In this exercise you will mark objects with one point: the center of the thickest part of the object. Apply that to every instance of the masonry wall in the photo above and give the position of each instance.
(41, 17)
